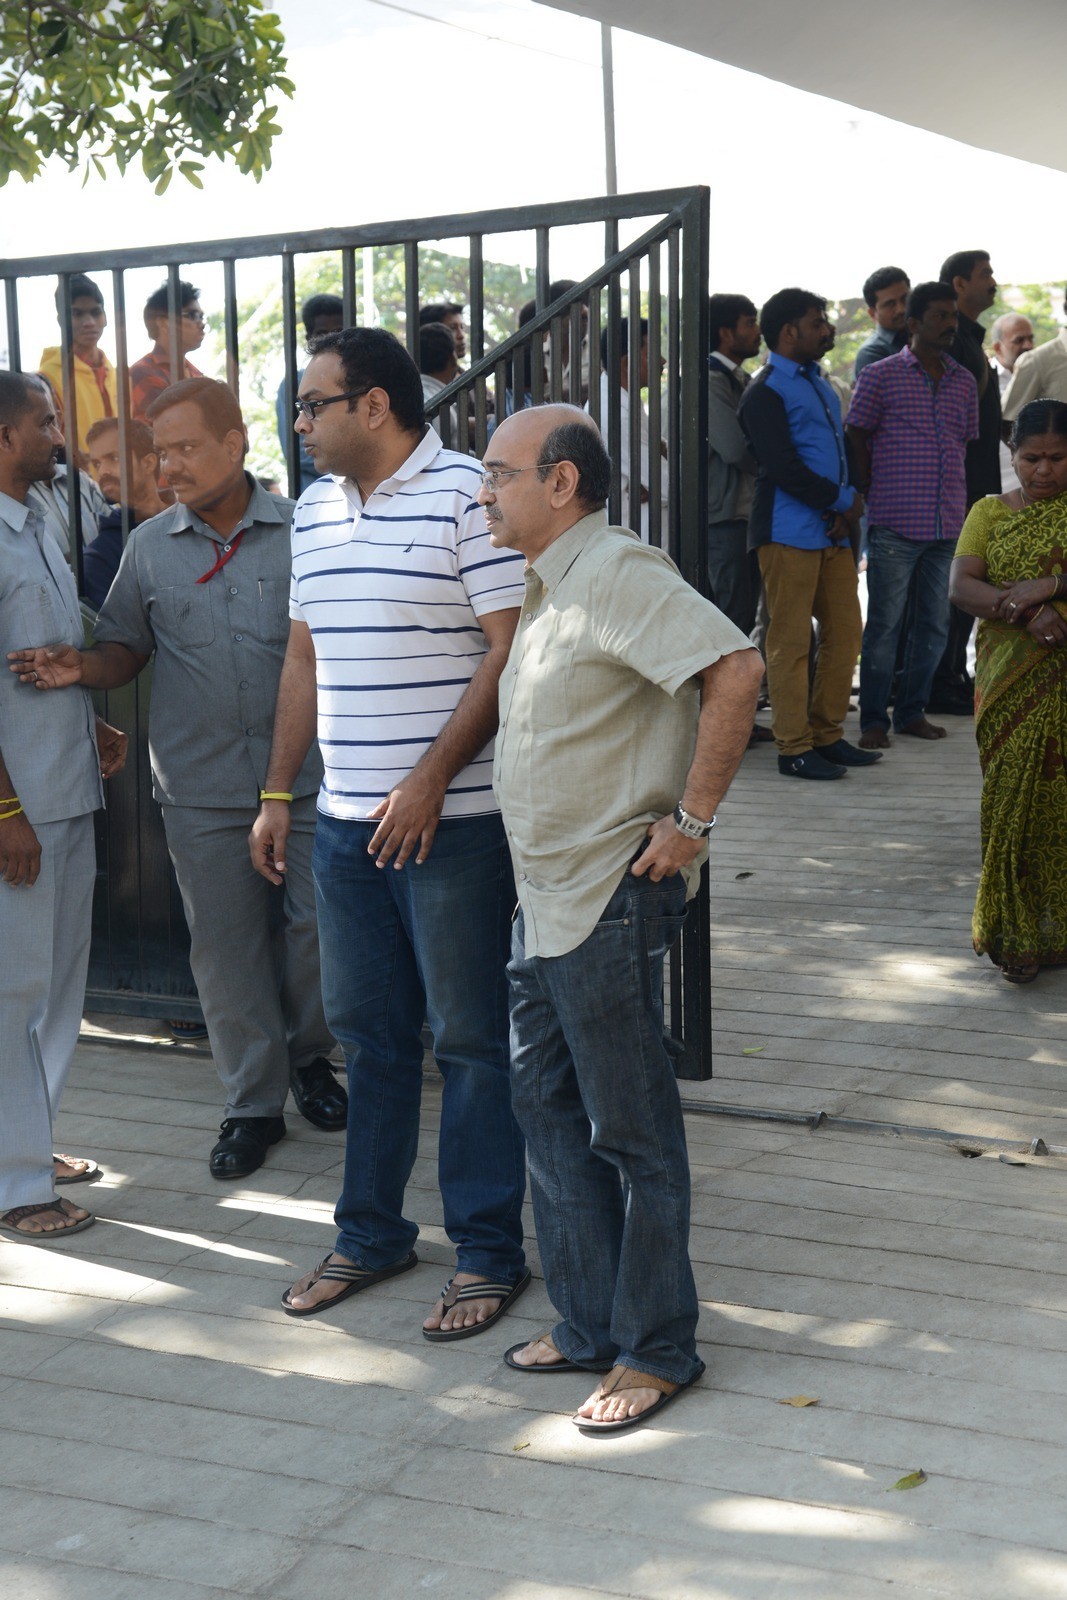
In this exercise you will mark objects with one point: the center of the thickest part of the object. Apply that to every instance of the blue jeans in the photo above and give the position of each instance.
(596, 1097)
(397, 946)
(890, 565)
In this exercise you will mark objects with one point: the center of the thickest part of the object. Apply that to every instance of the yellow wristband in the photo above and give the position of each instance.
(274, 794)
(6, 816)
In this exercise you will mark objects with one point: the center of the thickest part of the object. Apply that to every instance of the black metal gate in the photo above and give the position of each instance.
(658, 271)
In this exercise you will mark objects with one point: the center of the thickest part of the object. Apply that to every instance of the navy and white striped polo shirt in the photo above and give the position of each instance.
(392, 592)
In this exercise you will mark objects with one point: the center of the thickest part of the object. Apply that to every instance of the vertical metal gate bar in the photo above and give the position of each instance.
(348, 285)
(14, 338)
(655, 418)
(411, 298)
(633, 370)
(292, 447)
(229, 325)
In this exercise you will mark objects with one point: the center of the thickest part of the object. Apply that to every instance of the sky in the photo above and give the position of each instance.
(405, 110)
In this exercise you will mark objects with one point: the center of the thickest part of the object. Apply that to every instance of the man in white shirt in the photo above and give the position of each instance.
(1011, 336)
(1039, 374)
(402, 615)
(623, 452)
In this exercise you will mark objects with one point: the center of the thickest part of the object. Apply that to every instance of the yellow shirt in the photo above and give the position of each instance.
(89, 402)
(598, 715)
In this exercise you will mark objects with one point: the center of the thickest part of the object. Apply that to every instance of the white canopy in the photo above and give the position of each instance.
(987, 73)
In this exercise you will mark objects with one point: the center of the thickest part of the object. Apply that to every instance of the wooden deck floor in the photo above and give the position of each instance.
(170, 1435)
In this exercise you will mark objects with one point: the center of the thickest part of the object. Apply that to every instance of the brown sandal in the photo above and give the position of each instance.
(618, 1380)
(1019, 971)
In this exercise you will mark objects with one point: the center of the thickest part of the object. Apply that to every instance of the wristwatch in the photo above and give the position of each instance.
(692, 827)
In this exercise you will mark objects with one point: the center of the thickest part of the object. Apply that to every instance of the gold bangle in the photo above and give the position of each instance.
(274, 794)
(7, 815)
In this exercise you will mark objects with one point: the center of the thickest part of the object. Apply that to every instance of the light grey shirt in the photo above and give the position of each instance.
(598, 716)
(48, 741)
(219, 648)
(53, 500)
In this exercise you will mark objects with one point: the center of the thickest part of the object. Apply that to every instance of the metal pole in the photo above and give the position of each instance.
(611, 178)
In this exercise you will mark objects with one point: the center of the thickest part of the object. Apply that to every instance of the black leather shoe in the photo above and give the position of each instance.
(809, 764)
(843, 754)
(318, 1095)
(244, 1144)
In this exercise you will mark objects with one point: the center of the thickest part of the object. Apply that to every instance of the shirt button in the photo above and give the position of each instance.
(239, 637)
(514, 670)
(226, 547)
(522, 877)
(250, 732)
(244, 683)
(233, 590)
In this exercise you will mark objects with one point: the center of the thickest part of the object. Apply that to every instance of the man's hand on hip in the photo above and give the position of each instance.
(268, 839)
(668, 850)
(408, 817)
(47, 666)
(20, 852)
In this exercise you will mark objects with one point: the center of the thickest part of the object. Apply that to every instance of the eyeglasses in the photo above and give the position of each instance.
(308, 408)
(193, 316)
(491, 480)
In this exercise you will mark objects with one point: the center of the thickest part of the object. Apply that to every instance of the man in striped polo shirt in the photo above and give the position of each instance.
(402, 619)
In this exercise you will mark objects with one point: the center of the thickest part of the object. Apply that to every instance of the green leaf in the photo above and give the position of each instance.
(525, 1446)
(752, 1049)
(911, 1481)
(164, 182)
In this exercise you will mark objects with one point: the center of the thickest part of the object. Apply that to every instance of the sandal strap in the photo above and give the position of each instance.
(630, 1378)
(474, 1291)
(11, 1219)
(337, 1273)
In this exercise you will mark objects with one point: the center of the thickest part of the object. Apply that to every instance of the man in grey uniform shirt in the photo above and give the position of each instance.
(49, 788)
(625, 708)
(205, 585)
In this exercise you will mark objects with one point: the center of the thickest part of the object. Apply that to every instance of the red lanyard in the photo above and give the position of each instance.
(224, 556)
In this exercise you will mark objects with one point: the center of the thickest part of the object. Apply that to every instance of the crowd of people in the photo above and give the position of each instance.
(475, 737)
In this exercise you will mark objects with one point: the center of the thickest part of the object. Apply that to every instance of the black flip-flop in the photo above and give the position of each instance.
(506, 1293)
(355, 1279)
(562, 1365)
(19, 1213)
(587, 1425)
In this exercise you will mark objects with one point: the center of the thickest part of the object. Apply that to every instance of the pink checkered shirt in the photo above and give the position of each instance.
(919, 437)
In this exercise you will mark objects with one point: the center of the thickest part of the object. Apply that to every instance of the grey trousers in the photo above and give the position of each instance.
(254, 951)
(44, 937)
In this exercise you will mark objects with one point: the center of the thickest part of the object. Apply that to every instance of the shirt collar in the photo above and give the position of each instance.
(791, 368)
(717, 355)
(553, 564)
(16, 513)
(426, 451)
(262, 507)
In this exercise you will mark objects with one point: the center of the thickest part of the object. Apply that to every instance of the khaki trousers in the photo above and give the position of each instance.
(801, 584)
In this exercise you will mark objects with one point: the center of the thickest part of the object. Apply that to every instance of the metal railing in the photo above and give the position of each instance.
(660, 275)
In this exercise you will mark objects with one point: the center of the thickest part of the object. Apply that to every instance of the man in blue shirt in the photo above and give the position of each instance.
(803, 512)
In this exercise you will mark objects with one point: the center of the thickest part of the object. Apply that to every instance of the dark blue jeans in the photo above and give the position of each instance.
(397, 946)
(891, 562)
(596, 1097)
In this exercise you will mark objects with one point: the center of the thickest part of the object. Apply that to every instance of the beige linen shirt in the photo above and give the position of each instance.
(1039, 374)
(598, 715)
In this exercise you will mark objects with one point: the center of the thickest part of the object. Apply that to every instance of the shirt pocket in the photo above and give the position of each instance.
(188, 610)
(270, 610)
(548, 669)
(34, 616)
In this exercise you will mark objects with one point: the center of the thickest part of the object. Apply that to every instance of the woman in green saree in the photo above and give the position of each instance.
(1011, 571)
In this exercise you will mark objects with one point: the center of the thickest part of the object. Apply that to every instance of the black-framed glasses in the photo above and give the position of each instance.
(308, 408)
(491, 480)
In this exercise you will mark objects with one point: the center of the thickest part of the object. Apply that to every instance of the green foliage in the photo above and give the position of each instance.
(261, 344)
(1038, 301)
(164, 82)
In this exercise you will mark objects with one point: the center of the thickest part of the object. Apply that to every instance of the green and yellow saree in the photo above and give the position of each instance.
(1020, 913)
